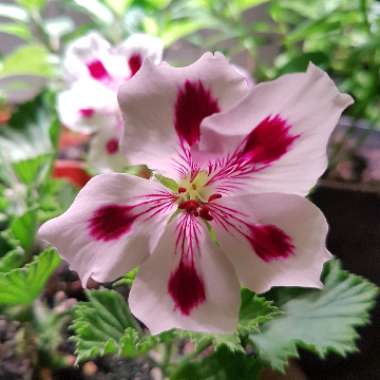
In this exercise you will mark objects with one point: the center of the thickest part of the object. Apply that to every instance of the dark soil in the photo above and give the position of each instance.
(354, 217)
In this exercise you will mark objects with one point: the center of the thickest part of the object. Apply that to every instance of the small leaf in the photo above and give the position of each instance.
(167, 182)
(30, 171)
(97, 10)
(12, 259)
(221, 365)
(254, 311)
(24, 228)
(319, 320)
(32, 4)
(231, 341)
(28, 59)
(22, 286)
(118, 6)
(104, 325)
(17, 29)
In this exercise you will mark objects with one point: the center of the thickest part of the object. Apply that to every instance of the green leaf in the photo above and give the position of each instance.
(32, 4)
(17, 29)
(221, 365)
(97, 10)
(254, 311)
(246, 4)
(30, 134)
(28, 59)
(231, 341)
(167, 182)
(118, 6)
(24, 228)
(176, 30)
(127, 279)
(14, 12)
(104, 325)
(31, 170)
(11, 260)
(22, 286)
(319, 320)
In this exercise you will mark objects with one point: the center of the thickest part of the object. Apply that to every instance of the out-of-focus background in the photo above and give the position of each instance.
(264, 39)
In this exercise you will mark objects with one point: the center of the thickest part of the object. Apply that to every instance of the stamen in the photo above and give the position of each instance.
(190, 205)
(182, 190)
(205, 213)
(212, 197)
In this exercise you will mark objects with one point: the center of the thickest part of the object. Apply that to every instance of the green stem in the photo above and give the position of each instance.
(167, 354)
(189, 358)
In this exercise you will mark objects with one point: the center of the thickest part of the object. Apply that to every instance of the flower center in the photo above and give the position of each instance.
(194, 195)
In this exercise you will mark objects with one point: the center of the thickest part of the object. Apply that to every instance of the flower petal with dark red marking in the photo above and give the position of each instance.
(110, 222)
(97, 70)
(186, 288)
(268, 141)
(194, 103)
(270, 242)
(134, 63)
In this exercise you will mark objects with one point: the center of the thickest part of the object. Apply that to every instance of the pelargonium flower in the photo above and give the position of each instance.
(94, 71)
(234, 215)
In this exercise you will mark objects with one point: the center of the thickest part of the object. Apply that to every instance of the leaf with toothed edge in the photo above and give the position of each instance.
(103, 325)
(321, 321)
(21, 286)
(254, 311)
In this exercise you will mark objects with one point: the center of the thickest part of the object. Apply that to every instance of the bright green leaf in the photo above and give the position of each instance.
(11, 260)
(319, 320)
(246, 4)
(24, 228)
(16, 29)
(29, 171)
(254, 311)
(118, 6)
(231, 341)
(28, 59)
(221, 365)
(167, 182)
(22, 286)
(176, 30)
(104, 325)
(32, 4)
(96, 9)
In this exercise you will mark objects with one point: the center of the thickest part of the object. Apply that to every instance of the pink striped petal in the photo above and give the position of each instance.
(172, 291)
(272, 239)
(112, 226)
(277, 136)
(164, 106)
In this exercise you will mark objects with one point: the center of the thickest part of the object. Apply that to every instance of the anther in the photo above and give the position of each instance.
(190, 205)
(204, 213)
(212, 197)
(182, 190)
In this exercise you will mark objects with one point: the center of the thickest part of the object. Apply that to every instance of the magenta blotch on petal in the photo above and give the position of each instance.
(270, 242)
(134, 63)
(194, 103)
(97, 70)
(268, 141)
(110, 222)
(112, 146)
(87, 112)
(186, 288)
